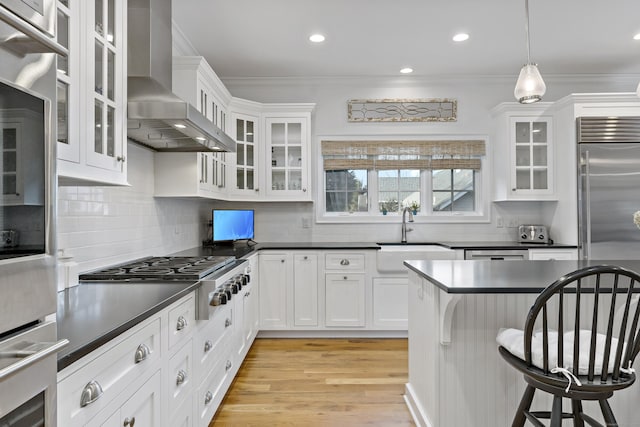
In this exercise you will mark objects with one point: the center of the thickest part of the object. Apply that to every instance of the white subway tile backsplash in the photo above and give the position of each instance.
(101, 226)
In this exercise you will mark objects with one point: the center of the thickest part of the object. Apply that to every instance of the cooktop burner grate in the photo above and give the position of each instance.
(161, 269)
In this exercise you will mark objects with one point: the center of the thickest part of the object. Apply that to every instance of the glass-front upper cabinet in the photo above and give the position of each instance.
(107, 100)
(287, 145)
(92, 91)
(246, 153)
(531, 159)
(68, 81)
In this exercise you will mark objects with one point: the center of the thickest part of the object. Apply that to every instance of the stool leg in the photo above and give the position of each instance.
(525, 404)
(556, 412)
(607, 413)
(576, 406)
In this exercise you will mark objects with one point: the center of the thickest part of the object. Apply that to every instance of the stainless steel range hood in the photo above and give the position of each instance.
(157, 117)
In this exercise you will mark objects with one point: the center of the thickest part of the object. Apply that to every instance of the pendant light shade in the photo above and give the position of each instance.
(530, 87)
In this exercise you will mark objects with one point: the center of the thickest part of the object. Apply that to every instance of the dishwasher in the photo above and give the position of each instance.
(496, 254)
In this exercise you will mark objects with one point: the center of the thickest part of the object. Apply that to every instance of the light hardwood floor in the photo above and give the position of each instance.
(319, 382)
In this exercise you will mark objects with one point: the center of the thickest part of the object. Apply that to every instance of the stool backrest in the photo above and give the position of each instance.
(596, 298)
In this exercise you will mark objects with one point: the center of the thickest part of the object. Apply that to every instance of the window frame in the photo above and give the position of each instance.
(482, 193)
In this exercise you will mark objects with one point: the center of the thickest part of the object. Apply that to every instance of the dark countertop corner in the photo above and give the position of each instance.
(93, 313)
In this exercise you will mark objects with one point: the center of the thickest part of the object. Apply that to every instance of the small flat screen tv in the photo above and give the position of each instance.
(232, 224)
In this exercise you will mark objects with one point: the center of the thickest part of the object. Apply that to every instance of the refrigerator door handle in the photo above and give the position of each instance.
(587, 208)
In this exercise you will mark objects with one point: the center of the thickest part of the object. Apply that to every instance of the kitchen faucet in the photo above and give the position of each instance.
(404, 224)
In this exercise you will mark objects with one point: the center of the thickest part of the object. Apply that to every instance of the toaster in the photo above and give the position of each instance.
(8, 239)
(533, 234)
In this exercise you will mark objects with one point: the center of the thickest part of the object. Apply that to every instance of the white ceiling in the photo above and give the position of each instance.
(269, 38)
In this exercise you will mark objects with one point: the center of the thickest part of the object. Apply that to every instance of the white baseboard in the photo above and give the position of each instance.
(417, 411)
(331, 334)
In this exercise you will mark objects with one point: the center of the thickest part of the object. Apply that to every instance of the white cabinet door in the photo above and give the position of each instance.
(99, 89)
(144, 405)
(390, 303)
(525, 132)
(287, 142)
(273, 290)
(141, 409)
(305, 289)
(553, 254)
(246, 169)
(345, 299)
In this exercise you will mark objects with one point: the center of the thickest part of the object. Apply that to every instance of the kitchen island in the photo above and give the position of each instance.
(456, 376)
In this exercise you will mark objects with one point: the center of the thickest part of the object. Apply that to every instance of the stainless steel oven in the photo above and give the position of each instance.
(28, 337)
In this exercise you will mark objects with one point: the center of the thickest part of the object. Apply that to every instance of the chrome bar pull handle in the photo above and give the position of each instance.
(141, 353)
(91, 392)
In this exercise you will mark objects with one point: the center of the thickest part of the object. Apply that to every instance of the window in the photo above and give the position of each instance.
(397, 189)
(453, 190)
(374, 180)
(346, 191)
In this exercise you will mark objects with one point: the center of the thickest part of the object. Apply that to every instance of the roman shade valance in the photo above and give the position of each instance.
(385, 155)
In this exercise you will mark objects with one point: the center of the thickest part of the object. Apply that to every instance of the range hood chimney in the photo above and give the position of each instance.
(156, 117)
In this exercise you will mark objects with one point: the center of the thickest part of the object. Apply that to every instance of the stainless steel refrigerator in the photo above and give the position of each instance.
(608, 187)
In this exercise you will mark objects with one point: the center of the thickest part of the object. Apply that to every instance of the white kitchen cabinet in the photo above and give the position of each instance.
(287, 141)
(305, 289)
(100, 154)
(205, 176)
(274, 279)
(20, 130)
(180, 378)
(246, 168)
(345, 300)
(210, 394)
(344, 289)
(553, 254)
(246, 314)
(142, 408)
(114, 367)
(390, 303)
(525, 134)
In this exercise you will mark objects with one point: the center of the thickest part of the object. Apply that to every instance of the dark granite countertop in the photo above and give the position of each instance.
(487, 245)
(93, 313)
(502, 277)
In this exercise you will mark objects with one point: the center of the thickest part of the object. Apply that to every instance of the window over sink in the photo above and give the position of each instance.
(373, 181)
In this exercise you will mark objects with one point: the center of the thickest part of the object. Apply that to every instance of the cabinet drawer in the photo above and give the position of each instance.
(212, 337)
(180, 376)
(213, 388)
(181, 321)
(344, 262)
(112, 371)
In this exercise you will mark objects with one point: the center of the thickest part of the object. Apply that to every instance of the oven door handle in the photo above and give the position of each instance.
(47, 44)
(32, 358)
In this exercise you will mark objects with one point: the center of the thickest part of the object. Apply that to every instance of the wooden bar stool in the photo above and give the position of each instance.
(574, 362)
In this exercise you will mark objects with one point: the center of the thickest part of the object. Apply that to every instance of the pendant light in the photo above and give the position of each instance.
(530, 87)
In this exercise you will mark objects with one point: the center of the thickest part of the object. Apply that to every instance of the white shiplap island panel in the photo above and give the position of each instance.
(464, 382)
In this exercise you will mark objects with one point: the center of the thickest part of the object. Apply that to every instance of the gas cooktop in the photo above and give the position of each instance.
(161, 269)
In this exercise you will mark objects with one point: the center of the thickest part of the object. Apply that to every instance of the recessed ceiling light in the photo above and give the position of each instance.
(636, 37)
(316, 38)
(460, 37)
(199, 138)
(406, 70)
(179, 126)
